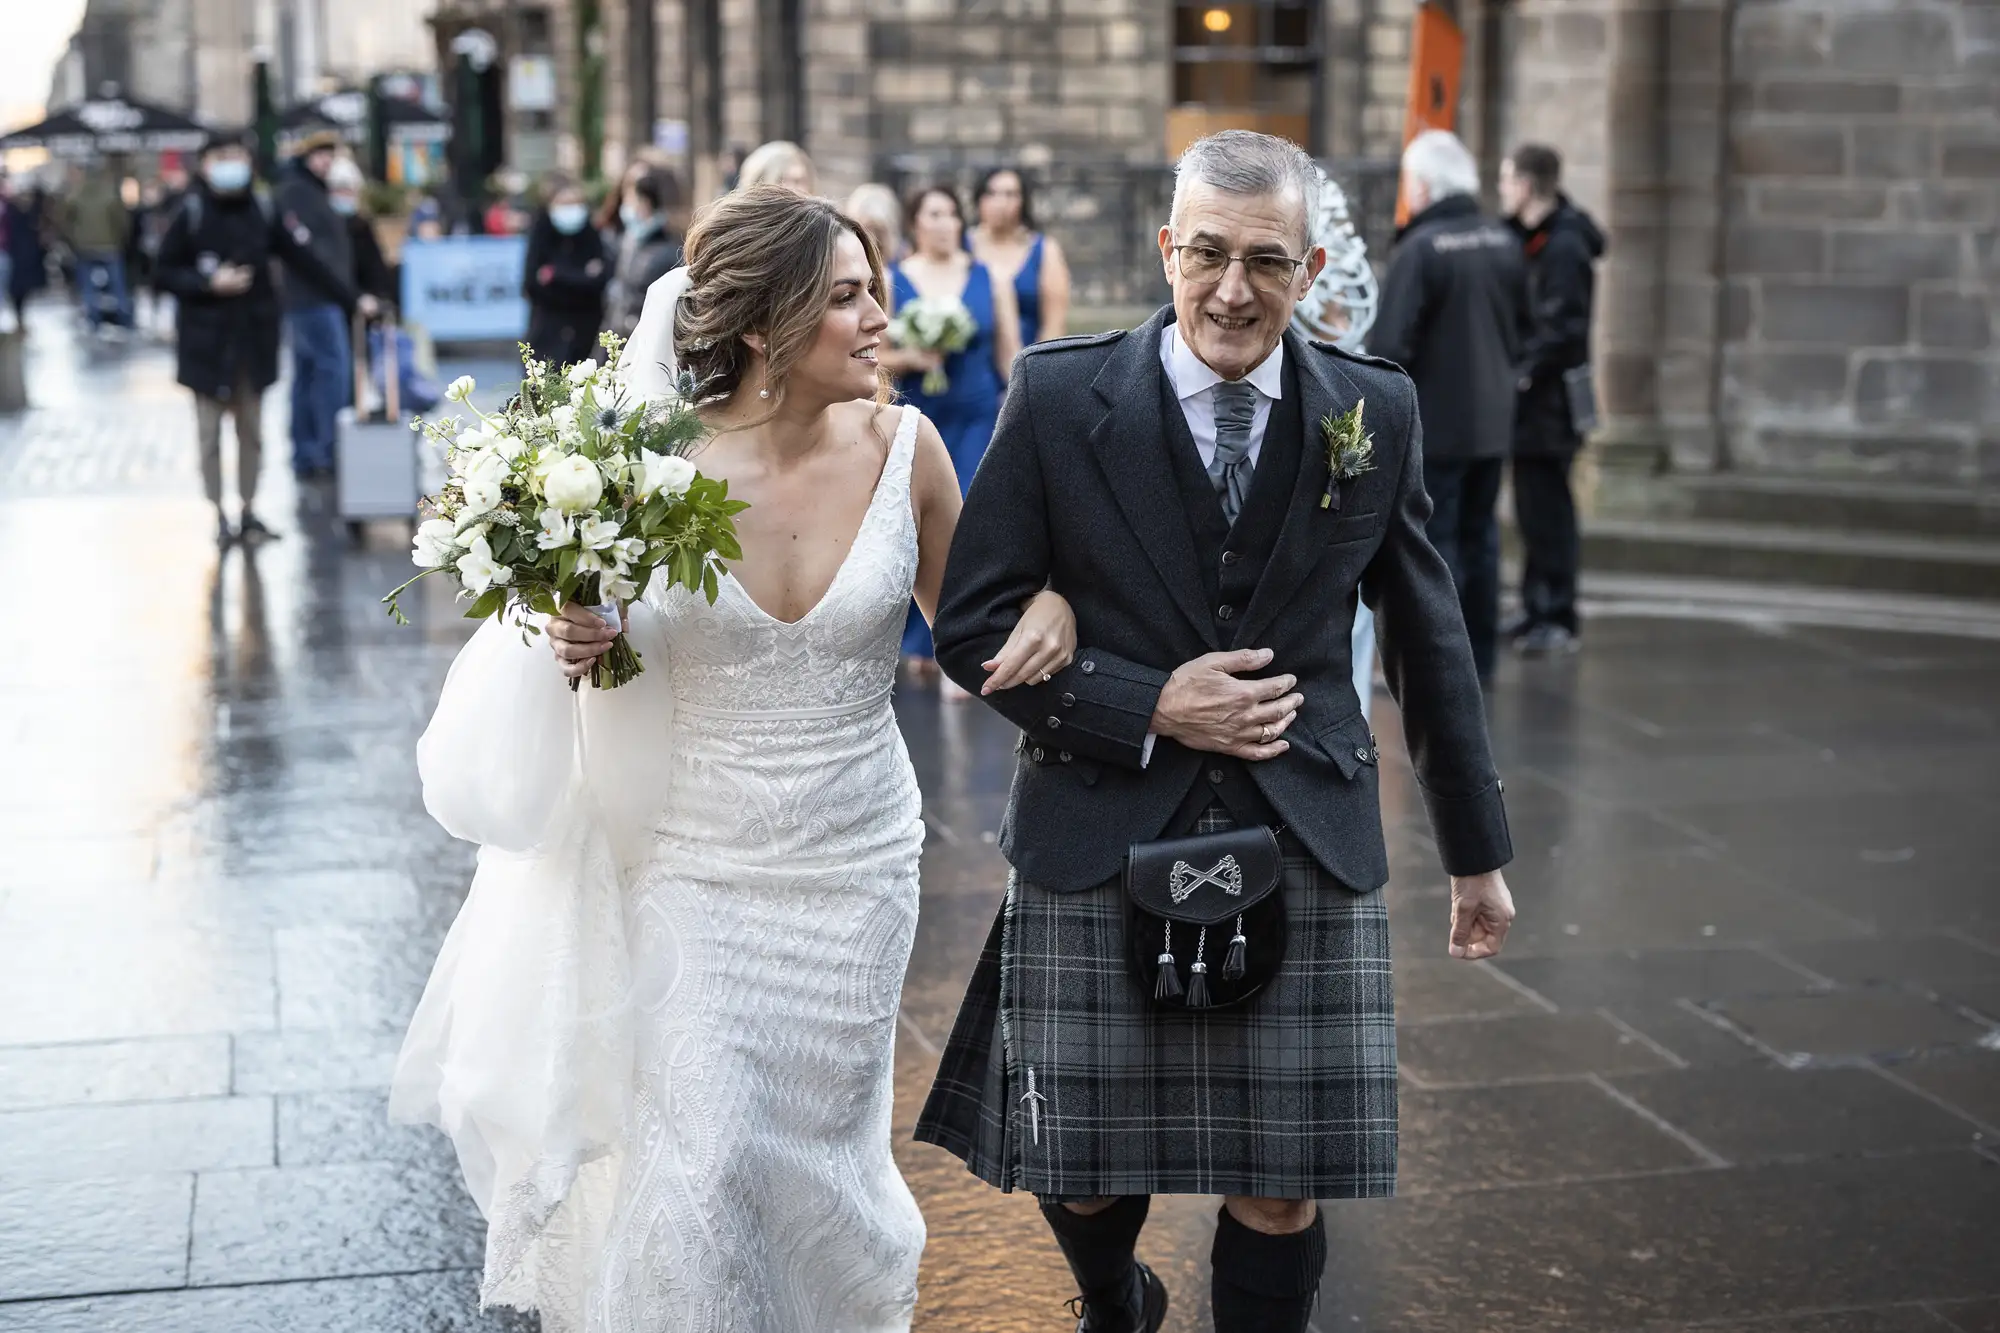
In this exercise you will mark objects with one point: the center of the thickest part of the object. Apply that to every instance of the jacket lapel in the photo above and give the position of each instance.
(1301, 541)
(1131, 443)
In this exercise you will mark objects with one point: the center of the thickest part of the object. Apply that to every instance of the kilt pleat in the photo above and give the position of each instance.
(1063, 1079)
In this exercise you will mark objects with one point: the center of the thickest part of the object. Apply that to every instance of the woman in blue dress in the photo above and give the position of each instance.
(938, 267)
(1020, 257)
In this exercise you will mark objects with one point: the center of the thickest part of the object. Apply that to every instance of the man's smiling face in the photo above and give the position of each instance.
(1229, 323)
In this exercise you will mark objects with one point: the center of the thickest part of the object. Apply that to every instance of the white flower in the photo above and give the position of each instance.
(434, 544)
(557, 529)
(460, 389)
(664, 474)
(629, 549)
(510, 447)
(583, 370)
(572, 484)
(596, 534)
(618, 589)
(478, 571)
(563, 418)
(487, 464)
(482, 494)
(577, 395)
(476, 438)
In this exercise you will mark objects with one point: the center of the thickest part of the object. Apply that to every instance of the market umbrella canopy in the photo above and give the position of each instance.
(347, 112)
(111, 123)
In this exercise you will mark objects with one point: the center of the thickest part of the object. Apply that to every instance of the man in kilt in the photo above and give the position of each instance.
(1185, 485)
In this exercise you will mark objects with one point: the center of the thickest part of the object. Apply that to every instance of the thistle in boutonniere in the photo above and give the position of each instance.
(1350, 451)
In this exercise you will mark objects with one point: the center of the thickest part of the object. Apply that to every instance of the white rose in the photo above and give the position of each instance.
(572, 484)
(478, 571)
(583, 370)
(557, 530)
(486, 464)
(596, 534)
(482, 495)
(665, 474)
(434, 544)
(460, 389)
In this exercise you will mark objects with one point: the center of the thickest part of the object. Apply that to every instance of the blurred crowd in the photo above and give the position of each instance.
(1490, 315)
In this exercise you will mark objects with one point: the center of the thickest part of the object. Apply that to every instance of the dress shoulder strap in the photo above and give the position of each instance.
(903, 450)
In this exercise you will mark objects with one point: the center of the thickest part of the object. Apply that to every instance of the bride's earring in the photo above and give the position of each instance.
(764, 392)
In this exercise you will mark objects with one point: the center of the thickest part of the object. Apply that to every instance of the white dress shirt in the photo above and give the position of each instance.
(1194, 385)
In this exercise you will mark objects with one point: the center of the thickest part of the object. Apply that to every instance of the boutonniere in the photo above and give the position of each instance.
(1350, 451)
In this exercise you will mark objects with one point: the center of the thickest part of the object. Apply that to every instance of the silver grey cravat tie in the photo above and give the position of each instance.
(1235, 409)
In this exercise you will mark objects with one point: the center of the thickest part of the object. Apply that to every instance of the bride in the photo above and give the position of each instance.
(735, 1173)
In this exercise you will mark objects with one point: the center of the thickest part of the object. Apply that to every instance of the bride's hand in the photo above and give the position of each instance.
(579, 637)
(1043, 643)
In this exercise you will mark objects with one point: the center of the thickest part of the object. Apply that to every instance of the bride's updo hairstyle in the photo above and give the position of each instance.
(761, 261)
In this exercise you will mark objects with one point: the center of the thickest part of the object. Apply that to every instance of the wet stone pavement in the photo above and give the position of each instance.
(1740, 1068)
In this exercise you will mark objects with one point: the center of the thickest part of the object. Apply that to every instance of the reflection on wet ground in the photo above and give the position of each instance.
(1740, 1068)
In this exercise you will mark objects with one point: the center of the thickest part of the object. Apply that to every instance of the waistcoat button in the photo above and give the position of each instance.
(1224, 612)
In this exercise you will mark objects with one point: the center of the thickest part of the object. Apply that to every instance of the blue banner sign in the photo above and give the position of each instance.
(466, 288)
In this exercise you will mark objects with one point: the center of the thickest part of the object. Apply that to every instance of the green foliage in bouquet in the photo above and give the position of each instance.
(575, 491)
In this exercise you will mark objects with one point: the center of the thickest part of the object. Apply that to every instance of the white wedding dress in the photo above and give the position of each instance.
(662, 1040)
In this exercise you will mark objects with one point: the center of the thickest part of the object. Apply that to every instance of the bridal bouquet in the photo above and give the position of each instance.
(932, 324)
(574, 492)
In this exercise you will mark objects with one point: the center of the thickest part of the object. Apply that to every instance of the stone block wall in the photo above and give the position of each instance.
(1861, 254)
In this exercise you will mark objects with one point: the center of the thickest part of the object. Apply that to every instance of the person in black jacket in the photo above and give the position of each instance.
(1561, 241)
(567, 271)
(215, 258)
(1453, 313)
(319, 301)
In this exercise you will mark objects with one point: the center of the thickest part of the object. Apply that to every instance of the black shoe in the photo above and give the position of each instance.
(1548, 641)
(1142, 1311)
(253, 529)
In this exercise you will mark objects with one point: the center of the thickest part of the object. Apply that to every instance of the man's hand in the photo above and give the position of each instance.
(1481, 912)
(1205, 707)
(231, 279)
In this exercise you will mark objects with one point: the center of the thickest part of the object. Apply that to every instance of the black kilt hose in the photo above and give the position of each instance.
(1062, 1076)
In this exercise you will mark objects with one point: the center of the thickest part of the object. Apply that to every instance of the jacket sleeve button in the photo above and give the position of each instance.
(1069, 701)
(1362, 754)
(1088, 666)
(1065, 756)
(1055, 724)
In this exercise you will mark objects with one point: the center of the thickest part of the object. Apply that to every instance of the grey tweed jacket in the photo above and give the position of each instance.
(1076, 493)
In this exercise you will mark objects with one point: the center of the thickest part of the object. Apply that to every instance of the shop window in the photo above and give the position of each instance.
(1248, 64)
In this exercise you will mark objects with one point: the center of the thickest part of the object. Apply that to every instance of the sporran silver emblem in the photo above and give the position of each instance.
(1185, 879)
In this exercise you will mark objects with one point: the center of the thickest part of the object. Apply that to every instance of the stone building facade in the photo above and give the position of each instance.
(1802, 196)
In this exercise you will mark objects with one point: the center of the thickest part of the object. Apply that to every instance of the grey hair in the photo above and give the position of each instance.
(1243, 162)
(1441, 162)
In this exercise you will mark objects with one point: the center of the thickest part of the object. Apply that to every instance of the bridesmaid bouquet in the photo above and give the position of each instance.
(934, 324)
(574, 492)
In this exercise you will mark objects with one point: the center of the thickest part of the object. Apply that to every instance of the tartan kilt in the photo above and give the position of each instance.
(1063, 1079)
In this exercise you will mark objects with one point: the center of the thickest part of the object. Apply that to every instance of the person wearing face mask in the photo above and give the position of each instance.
(215, 259)
(567, 272)
(319, 301)
(648, 248)
(373, 278)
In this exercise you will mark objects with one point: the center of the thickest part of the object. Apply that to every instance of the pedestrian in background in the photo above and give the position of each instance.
(939, 268)
(21, 202)
(215, 259)
(779, 162)
(320, 298)
(1021, 257)
(648, 247)
(1560, 242)
(96, 226)
(880, 214)
(566, 273)
(1453, 313)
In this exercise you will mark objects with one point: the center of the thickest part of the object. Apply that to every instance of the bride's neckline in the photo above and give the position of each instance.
(867, 516)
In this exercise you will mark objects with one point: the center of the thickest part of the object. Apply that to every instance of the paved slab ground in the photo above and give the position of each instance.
(1739, 1069)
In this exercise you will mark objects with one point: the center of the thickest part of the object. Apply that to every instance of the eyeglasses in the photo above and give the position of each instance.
(1267, 272)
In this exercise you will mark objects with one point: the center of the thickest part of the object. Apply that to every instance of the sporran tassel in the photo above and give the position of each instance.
(1236, 963)
(1197, 991)
(1168, 984)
